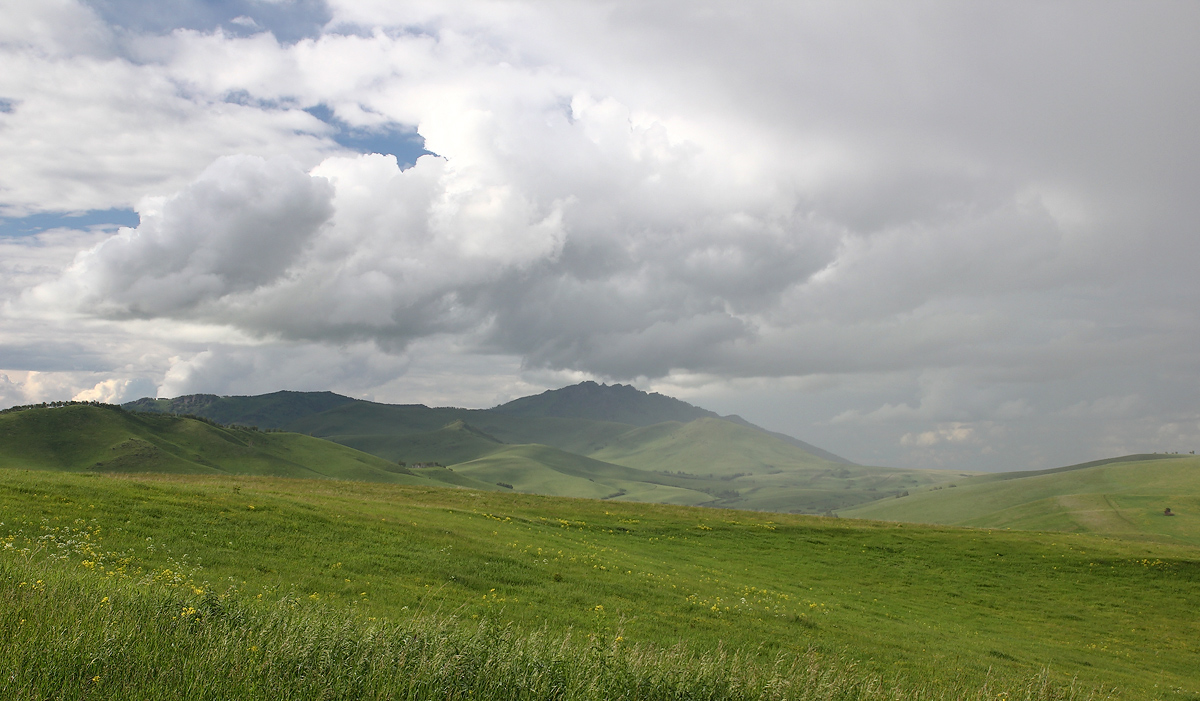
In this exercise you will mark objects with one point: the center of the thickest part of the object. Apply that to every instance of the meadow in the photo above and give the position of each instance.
(392, 591)
(1123, 497)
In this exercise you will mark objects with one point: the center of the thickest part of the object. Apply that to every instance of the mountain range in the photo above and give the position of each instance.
(587, 440)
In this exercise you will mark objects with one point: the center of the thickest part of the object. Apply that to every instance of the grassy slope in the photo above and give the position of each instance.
(274, 410)
(704, 461)
(540, 469)
(453, 443)
(480, 461)
(734, 464)
(1118, 498)
(101, 439)
(926, 602)
(1021, 474)
(393, 426)
(765, 472)
(617, 403)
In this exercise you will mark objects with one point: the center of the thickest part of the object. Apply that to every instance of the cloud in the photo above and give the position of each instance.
(54, 28)
(947, 433)
(1127, 406)
(289, 20)
(11, 393)
(946, 230)
(231, 369)
(118, 391)
(96, 119)
(573, 269)
(236, 228)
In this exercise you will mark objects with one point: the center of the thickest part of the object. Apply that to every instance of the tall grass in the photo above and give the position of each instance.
(67, 633)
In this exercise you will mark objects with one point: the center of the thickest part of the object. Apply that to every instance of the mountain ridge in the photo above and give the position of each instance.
(588, 400)
(601, 402)
(587, 440)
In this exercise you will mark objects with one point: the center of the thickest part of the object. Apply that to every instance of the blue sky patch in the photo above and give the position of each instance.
(288, 21)
(35, 223)
(407, 146)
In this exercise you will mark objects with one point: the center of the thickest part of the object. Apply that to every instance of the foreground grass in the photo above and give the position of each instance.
(911, 611)
(67, 635)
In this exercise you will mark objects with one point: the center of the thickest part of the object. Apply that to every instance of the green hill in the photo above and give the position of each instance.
(679, 453)
(1122, 497)
(579, 418)
(406, 420)
(109, 439)
(757, 471)
(617, 403)
(212, 586)
(541, 469)
(455, 442)
(628, 405)
(275, 410)
(709, 446)
(705, 461)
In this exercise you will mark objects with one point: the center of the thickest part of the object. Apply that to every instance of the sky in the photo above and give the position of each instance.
(929, 234)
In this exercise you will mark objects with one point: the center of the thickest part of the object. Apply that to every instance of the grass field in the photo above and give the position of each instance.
(1124, 498)
(928, 612)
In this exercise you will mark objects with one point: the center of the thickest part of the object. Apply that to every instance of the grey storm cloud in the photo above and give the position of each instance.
(622, 236)
(964, 216)
(238, 227)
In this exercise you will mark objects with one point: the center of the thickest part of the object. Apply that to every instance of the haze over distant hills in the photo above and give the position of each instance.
(588, 440)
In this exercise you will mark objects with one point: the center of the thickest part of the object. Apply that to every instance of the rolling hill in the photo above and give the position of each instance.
(110, 439)
(99, 438)
(618, 403)
(587, 440)
(542, 469)
(629, 405)
(1122, 497)
(275, 410)
(455, 442)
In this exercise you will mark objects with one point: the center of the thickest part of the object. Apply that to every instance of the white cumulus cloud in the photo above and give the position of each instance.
(892, 225)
